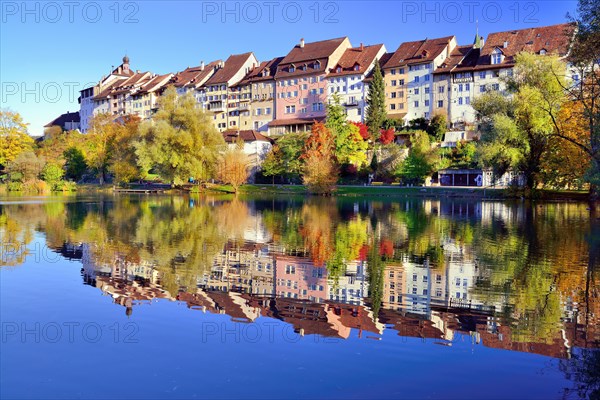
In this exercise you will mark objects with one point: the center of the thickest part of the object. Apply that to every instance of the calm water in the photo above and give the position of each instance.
(172, 297)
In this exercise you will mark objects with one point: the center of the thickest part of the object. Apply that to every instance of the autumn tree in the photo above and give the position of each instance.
(421, 161)
(362, 129)
(387, 136)
(233, 166)
(14, 139)
(376, 111)
(123, 160)
(99, 144)
(350, 147)
(517, 131)
(584, 57)
(180, 142)
(320, 171)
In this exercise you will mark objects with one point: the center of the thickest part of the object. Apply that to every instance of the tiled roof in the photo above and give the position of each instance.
(258, 73)
(107, 90)
(232, 65)
(231, 136)
(194, 75)
(417, 52)
(137, 79)
(308, 59)
(462, 58)
(362, 56)
(554, 39)
(155, 83)
(64, 118)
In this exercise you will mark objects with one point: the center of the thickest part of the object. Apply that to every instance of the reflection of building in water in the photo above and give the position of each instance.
(352, 287)
(247, 267)
(300, 278)
(129, 283)
(414, 287)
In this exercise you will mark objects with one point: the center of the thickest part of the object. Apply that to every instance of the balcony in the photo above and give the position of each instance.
(351, 103)
(216, 106)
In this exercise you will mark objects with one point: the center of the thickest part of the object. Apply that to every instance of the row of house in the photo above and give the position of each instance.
(288, 93)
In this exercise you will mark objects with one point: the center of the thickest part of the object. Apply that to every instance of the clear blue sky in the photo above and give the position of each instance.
(50, 50)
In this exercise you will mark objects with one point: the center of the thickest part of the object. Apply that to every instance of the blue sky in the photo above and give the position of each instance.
(50, 50)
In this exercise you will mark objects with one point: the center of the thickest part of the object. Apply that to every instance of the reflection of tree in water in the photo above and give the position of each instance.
(583, 369)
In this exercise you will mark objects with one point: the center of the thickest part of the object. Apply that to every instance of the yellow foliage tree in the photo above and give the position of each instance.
(14, 139)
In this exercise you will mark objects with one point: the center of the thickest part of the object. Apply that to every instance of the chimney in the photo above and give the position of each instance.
(362, 47)
(201, 65)
(302, 43)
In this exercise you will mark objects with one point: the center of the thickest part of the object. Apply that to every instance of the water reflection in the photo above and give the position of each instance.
(509, 276)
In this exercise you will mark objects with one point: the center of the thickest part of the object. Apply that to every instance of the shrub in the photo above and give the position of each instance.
(14, 186)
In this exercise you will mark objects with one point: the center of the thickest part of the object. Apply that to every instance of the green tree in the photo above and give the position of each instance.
(74, 163)
(123, 161)
(180, 142)
(52, 173)
(376, 111)
(421, 161)
(273, 164)
(14, 139)
(290, 147)
(27, 166)
(438, 126)
(517, 131)
(350, 148)
(99, 144)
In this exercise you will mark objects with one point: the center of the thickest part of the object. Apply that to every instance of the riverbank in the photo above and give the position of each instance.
(402, 191)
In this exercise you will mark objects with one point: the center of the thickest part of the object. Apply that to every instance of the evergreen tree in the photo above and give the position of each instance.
(376, 113)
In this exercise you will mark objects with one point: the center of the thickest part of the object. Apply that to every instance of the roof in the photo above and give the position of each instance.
(231, 136)
(309, 58)
(417, 52)
(155, 83)
(194, 75)
(362, 56)
(295, 121)
(232, 65)
(461, 58)
(554, 39)
(264, 72)
(107, 90)
(64, 118)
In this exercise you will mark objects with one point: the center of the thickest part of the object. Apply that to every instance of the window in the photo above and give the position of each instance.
(416, 104)
(460, 87)
(496, 57)
(392, 106)
(460, 101)
(393, 95)
(496, 86)
(441, 89)
(426, 103)
(416, 79)
(427, 78)
(401, 93)
(290, 269)
(427, 90)
(482, 75)
(290, 109)
(416, 90)
(401, 82)
(393, 83)
(317, 106)
(292, 68)
(467, 86)
(467, 100)
(401, 106)
(401, 71)
(440, 103)
(393, 71)
(481, 88)
(496, 74)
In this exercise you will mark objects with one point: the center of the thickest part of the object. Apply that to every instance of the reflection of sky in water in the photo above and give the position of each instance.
(268, 320)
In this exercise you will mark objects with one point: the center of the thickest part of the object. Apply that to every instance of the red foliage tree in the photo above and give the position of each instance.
(386, 248)
(387, 135)
(363, 130)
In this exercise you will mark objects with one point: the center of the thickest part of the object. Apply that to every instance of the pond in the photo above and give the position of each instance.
(292, 297)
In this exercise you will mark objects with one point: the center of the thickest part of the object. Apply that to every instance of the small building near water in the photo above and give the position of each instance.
(478, 178)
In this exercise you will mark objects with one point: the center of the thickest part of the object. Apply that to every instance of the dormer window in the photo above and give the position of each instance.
(304, 67)
(497, 56)
(542, 52)
(292, 68)
(338, 69)
(356, 67)
(317, 65)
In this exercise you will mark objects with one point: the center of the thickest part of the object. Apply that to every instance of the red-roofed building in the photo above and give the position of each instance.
(346, 78)
(301, 85)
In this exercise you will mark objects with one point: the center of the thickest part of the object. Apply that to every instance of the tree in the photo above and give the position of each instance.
(421, 160)
(25, 167)
(99, 144)
(517, 131)
(387, 136)
(123, 161)
(376, 111)
(320, 171)
(438, 126)
(350, 148)
(14, 139)
(233, 167)
(180, 142)
(273, 164)
(363, 130)
(290, 147)
(75, 165)
(52, 174)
